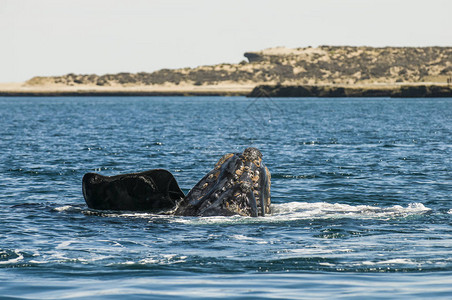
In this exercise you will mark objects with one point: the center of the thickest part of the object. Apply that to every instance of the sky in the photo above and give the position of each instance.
(57, 37)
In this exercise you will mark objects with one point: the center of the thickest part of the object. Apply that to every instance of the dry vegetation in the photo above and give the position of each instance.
(341, 65)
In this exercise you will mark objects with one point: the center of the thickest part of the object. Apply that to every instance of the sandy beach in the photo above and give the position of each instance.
(22, 89)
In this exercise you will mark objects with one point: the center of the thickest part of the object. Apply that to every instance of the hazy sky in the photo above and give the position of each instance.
(56, 37)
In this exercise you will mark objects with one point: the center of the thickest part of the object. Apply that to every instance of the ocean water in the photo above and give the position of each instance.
(361, 193)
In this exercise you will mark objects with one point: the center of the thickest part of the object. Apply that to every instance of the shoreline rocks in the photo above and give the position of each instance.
(403, 91)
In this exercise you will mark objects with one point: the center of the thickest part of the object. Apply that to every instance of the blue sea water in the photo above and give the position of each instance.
(361, 193)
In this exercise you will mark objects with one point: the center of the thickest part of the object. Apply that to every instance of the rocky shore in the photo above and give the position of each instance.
(411, 91)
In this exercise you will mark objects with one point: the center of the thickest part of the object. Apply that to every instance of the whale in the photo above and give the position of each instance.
(238, 184)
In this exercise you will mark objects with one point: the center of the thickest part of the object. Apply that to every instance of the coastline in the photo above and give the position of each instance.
(408, 90)
(23, 90)
(324, 71)
(415, 90)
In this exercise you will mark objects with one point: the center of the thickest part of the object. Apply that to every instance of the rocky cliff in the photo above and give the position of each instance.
(336, 65)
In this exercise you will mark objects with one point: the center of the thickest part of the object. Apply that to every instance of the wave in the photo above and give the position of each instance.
(280, 212)
(322, 210)
(10, 257)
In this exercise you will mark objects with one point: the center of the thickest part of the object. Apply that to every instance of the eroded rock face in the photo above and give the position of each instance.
(253, 57)
(239, 184)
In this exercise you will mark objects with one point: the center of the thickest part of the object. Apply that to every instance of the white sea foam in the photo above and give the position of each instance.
(244, 238)
(396, 261)
(241, 237)
(214, 220)
(64, 244)
(116, 214)
(288, 212)
(63, 208)
(13, 260)
(316, 210)
(311, 251)
(323, 210)
(164, 259)
(33, 261)
(326, 264)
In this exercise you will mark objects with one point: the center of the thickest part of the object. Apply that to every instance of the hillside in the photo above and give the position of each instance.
(332, 65)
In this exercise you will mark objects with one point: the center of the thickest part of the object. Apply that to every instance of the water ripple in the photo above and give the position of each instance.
(360, 191)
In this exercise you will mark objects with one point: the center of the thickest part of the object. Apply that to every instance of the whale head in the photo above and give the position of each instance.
(239, 184)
